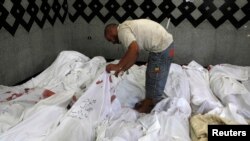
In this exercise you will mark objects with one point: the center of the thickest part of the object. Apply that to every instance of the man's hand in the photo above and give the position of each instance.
(113, 67)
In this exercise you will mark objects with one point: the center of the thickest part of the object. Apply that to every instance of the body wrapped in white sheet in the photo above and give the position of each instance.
(177, 83)
(202, 97)
(37, 121)
(226, 83)
(91, 108)
(130, 86)
(14, 102)
(102, 105)
(71, 72)
(167, 121)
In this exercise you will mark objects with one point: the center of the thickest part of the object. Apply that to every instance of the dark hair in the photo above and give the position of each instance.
(109, 27)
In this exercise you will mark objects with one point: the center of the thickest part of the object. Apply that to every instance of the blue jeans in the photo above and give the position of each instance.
(157, 73)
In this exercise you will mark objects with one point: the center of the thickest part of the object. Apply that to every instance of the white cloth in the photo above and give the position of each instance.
(70, 74)
(202, 97)
(225, 83)
(130, 87)
(36, 126)
(177, 83)
(90, 109)
(95, 117)
(229, 112)
(71, 71)
(14, 103)
(168, 121)
(122, 126)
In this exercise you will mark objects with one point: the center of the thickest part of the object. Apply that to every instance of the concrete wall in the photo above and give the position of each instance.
(207, 45)
(27, 52)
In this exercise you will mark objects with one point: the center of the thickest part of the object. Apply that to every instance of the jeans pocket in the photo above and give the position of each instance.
(156, 71)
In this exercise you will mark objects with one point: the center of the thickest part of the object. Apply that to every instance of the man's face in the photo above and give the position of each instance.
(112, 37)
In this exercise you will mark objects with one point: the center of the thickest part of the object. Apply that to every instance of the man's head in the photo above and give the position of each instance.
(111, 33)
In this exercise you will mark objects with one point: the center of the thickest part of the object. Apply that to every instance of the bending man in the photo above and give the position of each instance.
(144, 34)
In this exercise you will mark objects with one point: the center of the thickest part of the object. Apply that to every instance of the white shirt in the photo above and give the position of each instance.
(149, 35)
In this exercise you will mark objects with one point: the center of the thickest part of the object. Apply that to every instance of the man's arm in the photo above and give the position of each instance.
(126, 61)
(130, 57)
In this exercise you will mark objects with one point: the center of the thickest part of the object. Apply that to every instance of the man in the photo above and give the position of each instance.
(149, 35)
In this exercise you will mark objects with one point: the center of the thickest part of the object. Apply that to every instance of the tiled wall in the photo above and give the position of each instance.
(25, 13)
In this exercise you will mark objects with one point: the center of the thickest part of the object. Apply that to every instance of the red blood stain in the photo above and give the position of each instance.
(99, 81)
(47, 93)
(14, 96)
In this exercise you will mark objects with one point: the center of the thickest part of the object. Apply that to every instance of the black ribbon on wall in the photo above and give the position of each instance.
(15, 13)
